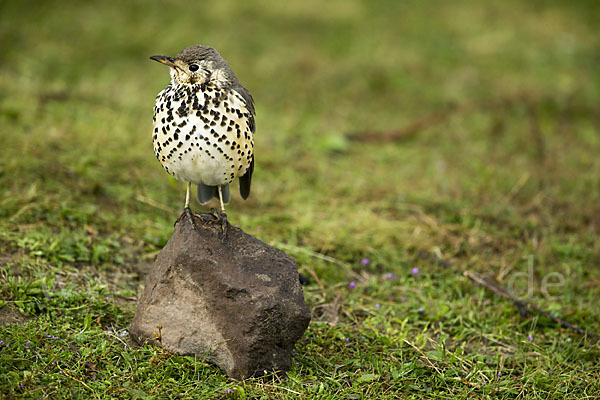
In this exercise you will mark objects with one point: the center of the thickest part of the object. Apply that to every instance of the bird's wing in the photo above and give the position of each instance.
(239, 88)
(246, 179)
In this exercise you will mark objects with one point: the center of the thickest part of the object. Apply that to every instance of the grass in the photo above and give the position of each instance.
(505, 184)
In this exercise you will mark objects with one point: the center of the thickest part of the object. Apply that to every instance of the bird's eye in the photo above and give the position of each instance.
(194, 67)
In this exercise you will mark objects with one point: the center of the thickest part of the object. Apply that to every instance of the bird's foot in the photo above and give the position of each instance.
(224, 223)
(199, 216)
(188, 213)
(180, 217)
(217, 217)
(215, 214)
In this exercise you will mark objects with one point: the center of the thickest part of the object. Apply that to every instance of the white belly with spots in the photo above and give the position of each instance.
(211, 145)
(198, 167)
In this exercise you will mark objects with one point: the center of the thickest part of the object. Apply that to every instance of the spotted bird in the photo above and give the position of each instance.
(204, 125)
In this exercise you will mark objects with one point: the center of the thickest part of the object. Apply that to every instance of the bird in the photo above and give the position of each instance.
(204, 125)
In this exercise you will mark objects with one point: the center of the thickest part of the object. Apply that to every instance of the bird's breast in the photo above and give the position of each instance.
(202, 134)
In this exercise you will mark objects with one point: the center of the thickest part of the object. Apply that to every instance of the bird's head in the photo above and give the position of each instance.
(197, 65)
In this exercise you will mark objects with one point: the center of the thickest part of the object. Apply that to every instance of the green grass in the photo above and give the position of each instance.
(510, 174)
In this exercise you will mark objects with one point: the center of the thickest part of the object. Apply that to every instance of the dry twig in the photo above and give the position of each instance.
(75, 379)
(524, 307)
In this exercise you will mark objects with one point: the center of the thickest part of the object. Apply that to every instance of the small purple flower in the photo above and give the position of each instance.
(389, 276)
(499, 374)
(352, 285)
(295, 362)
(125, 347)
(377, 305)
(1, 342)
(421, 310)
(107, 298)
(27, 344)
(21, 385)
(414, 271)
(530, 337)
(394, 277)
(365, 261)
(347, 340)
(229, 391)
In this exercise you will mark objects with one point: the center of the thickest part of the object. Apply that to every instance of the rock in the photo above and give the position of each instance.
(224, 296)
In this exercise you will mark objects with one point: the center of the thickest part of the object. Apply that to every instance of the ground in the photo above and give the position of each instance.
(399, 146)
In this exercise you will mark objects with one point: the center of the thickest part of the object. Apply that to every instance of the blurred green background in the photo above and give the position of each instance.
(444, 136)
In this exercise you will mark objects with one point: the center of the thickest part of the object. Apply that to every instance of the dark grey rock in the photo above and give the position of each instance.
(224, 296)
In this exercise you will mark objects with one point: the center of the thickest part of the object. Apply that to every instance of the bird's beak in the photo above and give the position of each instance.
(165, 60)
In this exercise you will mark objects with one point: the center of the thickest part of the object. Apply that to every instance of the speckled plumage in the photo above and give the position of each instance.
(204, 123)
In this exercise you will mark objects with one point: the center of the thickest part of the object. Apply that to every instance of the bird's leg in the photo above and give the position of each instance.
(223, 215)
(187, 201)
(186, 210)
(221, 200)
(187, 195)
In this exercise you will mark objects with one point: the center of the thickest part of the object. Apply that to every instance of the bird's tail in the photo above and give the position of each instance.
(206, 193)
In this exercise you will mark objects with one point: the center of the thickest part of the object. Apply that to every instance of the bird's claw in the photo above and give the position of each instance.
(188, 213)
(213, 218)
(217, 217)
(222, 218)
